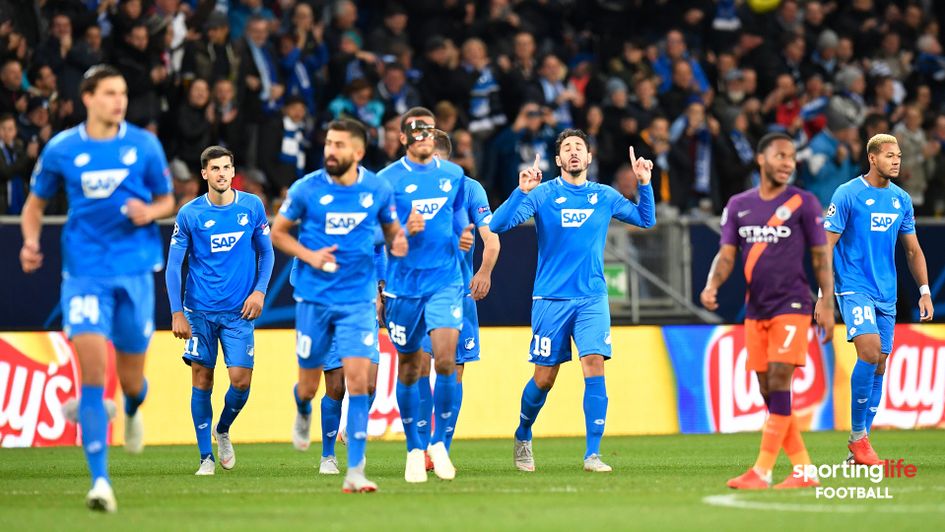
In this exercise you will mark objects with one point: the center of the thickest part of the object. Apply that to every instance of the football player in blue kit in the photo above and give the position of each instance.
(572, 215)
(338, 209)
(424, 291)
(224, 234)
(866, 216)
(117, 181)
(477, 287)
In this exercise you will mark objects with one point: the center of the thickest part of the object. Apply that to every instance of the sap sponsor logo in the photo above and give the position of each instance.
(342, 223)
(81, 160)
(129, 155)
(882, 221)
(366, 200)
(242, 218)
(100, 184)
(735, 402)
(428, 207)
(224, 241)
(914, 387)
(575, 217)
(326, 199)
(764, 233)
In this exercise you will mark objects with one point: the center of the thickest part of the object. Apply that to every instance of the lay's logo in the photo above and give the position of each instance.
(881, 221)
(224, 241)
(342, 223)
(429, 207)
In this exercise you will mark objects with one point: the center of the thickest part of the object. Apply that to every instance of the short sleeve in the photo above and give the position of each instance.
(812, 221)
(838, 212)
(46, 178)
(729, 226)
(293, 207)
(157, 174)
(480, 213)
(908, 217)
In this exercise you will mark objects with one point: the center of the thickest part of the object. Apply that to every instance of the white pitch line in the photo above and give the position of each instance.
(735, 500)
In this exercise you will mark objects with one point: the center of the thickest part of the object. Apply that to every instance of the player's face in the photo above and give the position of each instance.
(341, 151)
(573, 156)
(423, 148)
(887, 161)
(219, 173)
(109, 101)
(779, 161)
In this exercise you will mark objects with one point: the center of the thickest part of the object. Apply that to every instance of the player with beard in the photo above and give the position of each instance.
(867, 215)
(339, 209)
(572, 216)
(773, 225)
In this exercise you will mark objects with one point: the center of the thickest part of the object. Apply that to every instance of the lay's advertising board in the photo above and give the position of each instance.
(661, 380)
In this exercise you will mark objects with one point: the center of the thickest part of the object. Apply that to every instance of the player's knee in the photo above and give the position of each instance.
(240, 384)
(881, 366)
(444, 367)
(545, 380)
(305, 391)
(408, 372)
(779, 377)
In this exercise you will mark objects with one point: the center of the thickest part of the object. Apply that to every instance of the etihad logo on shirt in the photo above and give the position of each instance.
(767, 234)
(100, 184)
(881, 221)
(342, 223)
(575, 217)
(224, 241)
(428, 207)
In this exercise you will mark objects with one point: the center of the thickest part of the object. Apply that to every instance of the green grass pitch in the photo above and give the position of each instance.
(659, 482)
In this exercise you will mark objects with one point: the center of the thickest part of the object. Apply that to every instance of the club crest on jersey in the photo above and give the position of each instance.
(575, 217)
(592, 198)
(100, 184)
(896, 204)
(428, 207)
(209, 223)
(342, 223)
(242, 218)
(129, 155)
(782, 213)
(224, 241)
(326, 199)
(445, 185)
(882, 221)
(81, 160)
(368, 339)
(469, 344)
(250, 351)
(366, 200)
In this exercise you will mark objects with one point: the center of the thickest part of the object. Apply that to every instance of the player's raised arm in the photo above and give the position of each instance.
(643, 213)
(31, 225)
(919, 269)
(519, 207)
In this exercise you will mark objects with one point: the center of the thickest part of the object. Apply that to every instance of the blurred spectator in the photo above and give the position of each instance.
(695, 158)
(593, 126)
(681, 91)
(283, 148)
(655, 146)
(930, 64)
(344, 15)
(551, 91)
(395, 92)
(830, 159)
(644, 105)
(485, 106)
(16, 163)
(625, 182)
(918, 156)
(195, 121)
(13, 98)
(144, 74)
(227, 117)
(186, 184)
(214, 56)
(446, 116)
(303, 55)
(517, 72)
(463, 152)
(393, 33)
(351, 62)
(442, 78)
(242, 12)
(359, 103)
(783, 107)
(516, 146)
(665, 65)
(34, 125)
(259, 82)
(631, 64)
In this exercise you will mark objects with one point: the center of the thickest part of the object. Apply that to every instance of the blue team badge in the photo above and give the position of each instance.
(250, 351)
(242, 218)
(366, 200)
(129, 155)
(592, 198)
(469, 344)
(896, 203)
(445, 185)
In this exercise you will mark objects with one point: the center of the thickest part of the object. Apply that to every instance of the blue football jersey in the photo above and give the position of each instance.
(436, 190)
(572, 222)
(223, 244)
(100, 176)
(869, 221)
(480, 214)
(330, 214)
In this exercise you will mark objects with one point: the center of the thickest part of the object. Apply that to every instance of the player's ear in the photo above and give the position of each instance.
(403, 138)
(557, 160)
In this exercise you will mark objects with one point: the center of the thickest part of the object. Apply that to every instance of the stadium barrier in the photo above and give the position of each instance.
(662, 380)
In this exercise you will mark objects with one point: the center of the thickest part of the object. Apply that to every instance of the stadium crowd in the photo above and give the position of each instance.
(692, 84)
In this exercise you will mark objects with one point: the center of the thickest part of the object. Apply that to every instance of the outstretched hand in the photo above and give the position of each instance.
(530, 178)
(642, 168)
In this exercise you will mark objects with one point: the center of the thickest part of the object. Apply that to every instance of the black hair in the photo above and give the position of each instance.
(215, 152)
(352, 127)
(414, 112)
(94, 75)
(768, 139)
(570, 133)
